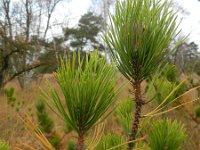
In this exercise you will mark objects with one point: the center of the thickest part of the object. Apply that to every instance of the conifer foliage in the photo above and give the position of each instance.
(88, 90)
(138, 37)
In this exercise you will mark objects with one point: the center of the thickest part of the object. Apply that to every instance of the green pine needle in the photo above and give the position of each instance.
(139, 35)
(89, 91)
(166, 135)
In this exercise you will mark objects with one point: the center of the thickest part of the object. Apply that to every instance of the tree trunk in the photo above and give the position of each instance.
(80, 144)
(1, 83)
(22, 77)
(28, 19)
(21, 80)
(47, 26)
(138, 108)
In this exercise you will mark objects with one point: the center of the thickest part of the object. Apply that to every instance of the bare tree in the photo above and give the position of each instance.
(50, 6)
(21, 25)
(15, 38)
(28, 7)
(39, 17)
(103, 7)
(6, 9)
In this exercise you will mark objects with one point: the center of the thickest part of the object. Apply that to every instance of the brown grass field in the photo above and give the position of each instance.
(13, 130)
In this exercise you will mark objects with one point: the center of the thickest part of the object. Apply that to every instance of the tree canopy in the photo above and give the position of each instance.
(86, 35)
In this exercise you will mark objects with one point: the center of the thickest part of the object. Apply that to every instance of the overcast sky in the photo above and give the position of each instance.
(191, 20)
(72, 11)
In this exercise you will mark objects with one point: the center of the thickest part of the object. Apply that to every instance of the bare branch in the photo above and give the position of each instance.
(28, 68)
(50, 10)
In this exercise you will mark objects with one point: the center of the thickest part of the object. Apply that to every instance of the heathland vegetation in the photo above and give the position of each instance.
(119, 80)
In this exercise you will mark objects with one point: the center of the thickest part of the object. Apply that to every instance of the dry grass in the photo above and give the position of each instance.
(13, 130)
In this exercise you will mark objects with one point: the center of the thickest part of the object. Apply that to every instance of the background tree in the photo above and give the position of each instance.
(187, 57)
(86, 35)
(50, 6)
(22, 36)
(102, 7)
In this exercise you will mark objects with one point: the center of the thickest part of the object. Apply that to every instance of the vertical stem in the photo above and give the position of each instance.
(1, 83)
(80, 144)
(138, 108)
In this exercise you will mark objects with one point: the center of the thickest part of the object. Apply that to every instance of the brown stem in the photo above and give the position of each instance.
(80, 144)
(138, 108)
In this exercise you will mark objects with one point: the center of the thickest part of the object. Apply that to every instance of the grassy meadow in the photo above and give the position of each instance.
(14, 131)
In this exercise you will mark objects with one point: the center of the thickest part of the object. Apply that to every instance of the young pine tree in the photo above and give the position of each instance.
(166, 135)
(89, 93)
(138, 38)
(45, 122)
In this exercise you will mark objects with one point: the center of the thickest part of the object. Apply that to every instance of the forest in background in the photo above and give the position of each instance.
(27, 53)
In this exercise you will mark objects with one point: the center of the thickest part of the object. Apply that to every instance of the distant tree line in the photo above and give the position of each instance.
(187, 58)
(25, 51)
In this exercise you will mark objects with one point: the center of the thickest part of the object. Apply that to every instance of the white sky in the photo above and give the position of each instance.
(190, 20)
(70, 13)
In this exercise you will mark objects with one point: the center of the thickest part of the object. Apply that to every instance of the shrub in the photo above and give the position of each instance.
(170, 73)
(160, 89)
(124, 114)
(110, 141)
(182, 88)
(45, 122)
(55, 141)
(166, 135)
(197, 112)
(9, 92)
(4, 146)
(12, 101)
(70, 145)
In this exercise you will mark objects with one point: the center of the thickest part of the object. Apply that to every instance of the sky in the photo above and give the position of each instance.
(72, 11)
(190, 19)
(69, 13)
